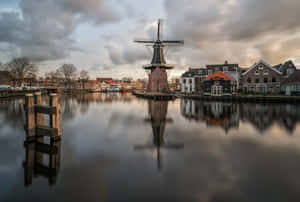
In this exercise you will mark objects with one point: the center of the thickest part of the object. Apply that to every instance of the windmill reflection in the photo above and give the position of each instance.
(158, 120)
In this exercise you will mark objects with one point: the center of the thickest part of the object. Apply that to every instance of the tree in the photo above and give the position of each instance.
(69, 72)
(84, 77)
(20, 68)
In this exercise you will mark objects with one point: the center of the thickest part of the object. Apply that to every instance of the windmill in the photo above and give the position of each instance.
(158, 79)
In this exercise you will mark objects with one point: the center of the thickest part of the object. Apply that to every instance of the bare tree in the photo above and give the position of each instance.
(20, 68)
(84, 77)
(69, 73)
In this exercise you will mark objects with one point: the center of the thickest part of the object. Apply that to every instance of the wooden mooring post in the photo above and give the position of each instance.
(35, 145)
(35, 123)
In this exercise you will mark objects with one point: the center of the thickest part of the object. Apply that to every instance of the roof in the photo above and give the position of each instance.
(195, 72)
(261, 62)
(218, 76)
(294, 78)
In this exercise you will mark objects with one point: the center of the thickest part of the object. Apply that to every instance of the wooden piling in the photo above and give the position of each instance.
(55, 117)
(30, 117)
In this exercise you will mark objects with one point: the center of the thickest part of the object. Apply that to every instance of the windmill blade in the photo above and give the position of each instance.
(144, 41)
(180, 42)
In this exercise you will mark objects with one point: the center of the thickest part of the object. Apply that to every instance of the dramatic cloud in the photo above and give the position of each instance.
(243, 31)
(43, 29)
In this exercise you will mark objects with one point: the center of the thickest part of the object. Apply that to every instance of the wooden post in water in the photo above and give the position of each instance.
(55, 118)
(39, 118)
(30, 118)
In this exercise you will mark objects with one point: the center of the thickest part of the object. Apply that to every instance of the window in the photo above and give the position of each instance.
(257, 80)
(274, 79)
(266, 72)
(261, 67)
(289, 71)
(256, 72)
(249, 80)
(217, 69)
(266, 80)
(225, 69)
(191, 81)
(209, 72)
(184, 81)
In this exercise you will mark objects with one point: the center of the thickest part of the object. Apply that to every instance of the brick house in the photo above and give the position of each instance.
(262, 78)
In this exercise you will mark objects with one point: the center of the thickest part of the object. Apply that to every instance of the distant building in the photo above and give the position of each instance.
(219, 84)
(100, 80)
(262, 78)
(291, 85)
(191, 81)
(4, 78)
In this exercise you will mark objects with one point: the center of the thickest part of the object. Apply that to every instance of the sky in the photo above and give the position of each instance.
(98, 35)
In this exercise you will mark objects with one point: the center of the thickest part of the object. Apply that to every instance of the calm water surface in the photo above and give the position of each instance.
(118, 148)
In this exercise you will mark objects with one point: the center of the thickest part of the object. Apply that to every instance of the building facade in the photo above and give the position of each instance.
(219, 84)
(262, 78)
(291, 85)
(191, 81)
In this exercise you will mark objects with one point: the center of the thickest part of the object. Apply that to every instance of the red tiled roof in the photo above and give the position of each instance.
(218, 76)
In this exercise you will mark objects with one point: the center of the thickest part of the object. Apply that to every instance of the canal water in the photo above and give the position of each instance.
(116, 147)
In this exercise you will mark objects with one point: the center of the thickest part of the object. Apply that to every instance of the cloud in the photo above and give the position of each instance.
(43, 29)
(239, 31)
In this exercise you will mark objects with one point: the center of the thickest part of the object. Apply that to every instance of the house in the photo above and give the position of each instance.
(233, 70)
(219, 84)
(262, 78)
(287, 69)
(291, 85)
(191, 81)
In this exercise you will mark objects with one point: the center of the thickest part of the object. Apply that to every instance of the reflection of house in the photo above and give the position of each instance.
(227, 115)
(291, 86)
(224, 115)
(219, 84)
(262, 78)
(191, 80)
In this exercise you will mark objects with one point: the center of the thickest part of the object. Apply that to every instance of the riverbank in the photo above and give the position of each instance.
(155, 96)
(245, 98)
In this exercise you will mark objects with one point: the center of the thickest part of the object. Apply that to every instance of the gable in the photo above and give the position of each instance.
(261, 65)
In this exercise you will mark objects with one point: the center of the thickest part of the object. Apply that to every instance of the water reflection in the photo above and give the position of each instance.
(229, 115)
(42, 160)
(157, 111)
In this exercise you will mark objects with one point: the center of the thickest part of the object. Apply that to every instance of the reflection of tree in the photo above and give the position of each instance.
(227, 115)
(158, 119)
